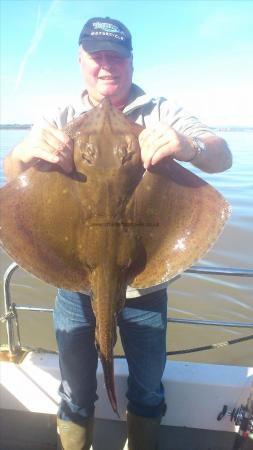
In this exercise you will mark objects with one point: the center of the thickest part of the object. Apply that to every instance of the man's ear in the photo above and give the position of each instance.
(79, 54)
(132, 61)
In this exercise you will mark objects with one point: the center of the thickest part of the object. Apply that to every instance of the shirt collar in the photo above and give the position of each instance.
(137, 98)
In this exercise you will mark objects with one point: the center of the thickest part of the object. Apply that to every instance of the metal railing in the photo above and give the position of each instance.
(10, 308)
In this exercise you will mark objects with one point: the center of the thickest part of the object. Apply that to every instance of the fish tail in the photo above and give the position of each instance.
(108, 368)
(106, 303)
(105, 341)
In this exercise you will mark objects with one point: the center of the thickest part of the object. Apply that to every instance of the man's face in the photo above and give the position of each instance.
(106, 74)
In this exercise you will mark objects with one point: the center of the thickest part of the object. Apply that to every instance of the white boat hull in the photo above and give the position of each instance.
(195, 393)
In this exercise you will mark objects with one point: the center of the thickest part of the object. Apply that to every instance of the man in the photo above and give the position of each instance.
(105, 57)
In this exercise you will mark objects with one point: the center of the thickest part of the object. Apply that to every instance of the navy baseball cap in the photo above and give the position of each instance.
(106, 34)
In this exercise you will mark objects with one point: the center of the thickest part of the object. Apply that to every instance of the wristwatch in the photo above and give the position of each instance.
(199, 146)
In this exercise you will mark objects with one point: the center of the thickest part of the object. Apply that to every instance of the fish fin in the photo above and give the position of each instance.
(179, 218)
(39, 216)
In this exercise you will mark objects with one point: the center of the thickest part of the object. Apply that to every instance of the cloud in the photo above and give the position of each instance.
(41, 25)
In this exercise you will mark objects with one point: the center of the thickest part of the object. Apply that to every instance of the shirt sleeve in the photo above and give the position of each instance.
(58, 117)
(182, 121)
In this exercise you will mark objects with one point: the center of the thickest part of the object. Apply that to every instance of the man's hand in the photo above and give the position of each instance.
(162, 142)
(47, 143)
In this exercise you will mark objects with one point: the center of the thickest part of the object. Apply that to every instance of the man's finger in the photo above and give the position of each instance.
(66, 164)
(51, 131)
(45, 155)
(161, 153)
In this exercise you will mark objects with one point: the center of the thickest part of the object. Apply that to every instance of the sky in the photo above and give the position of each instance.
(199, 53)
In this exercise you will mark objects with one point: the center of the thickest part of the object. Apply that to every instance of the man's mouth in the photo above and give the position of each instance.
(108, 78)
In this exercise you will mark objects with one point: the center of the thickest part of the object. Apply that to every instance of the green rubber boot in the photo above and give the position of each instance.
(73, 436)
(142, 432)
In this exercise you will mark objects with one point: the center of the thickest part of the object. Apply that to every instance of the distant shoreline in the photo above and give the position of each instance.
(15, 126)
(27, 126)
(232, 128)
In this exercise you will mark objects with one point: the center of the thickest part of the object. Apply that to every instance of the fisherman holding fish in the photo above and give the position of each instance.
(106, 61)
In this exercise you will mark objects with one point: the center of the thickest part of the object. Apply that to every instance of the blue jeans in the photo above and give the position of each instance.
(142, 324)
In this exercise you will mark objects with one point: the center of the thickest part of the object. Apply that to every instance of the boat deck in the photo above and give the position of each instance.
(38, 432)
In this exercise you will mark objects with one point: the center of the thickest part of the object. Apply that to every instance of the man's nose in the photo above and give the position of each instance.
(106, 62)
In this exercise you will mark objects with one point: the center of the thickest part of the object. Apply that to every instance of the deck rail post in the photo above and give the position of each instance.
(13, 347)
